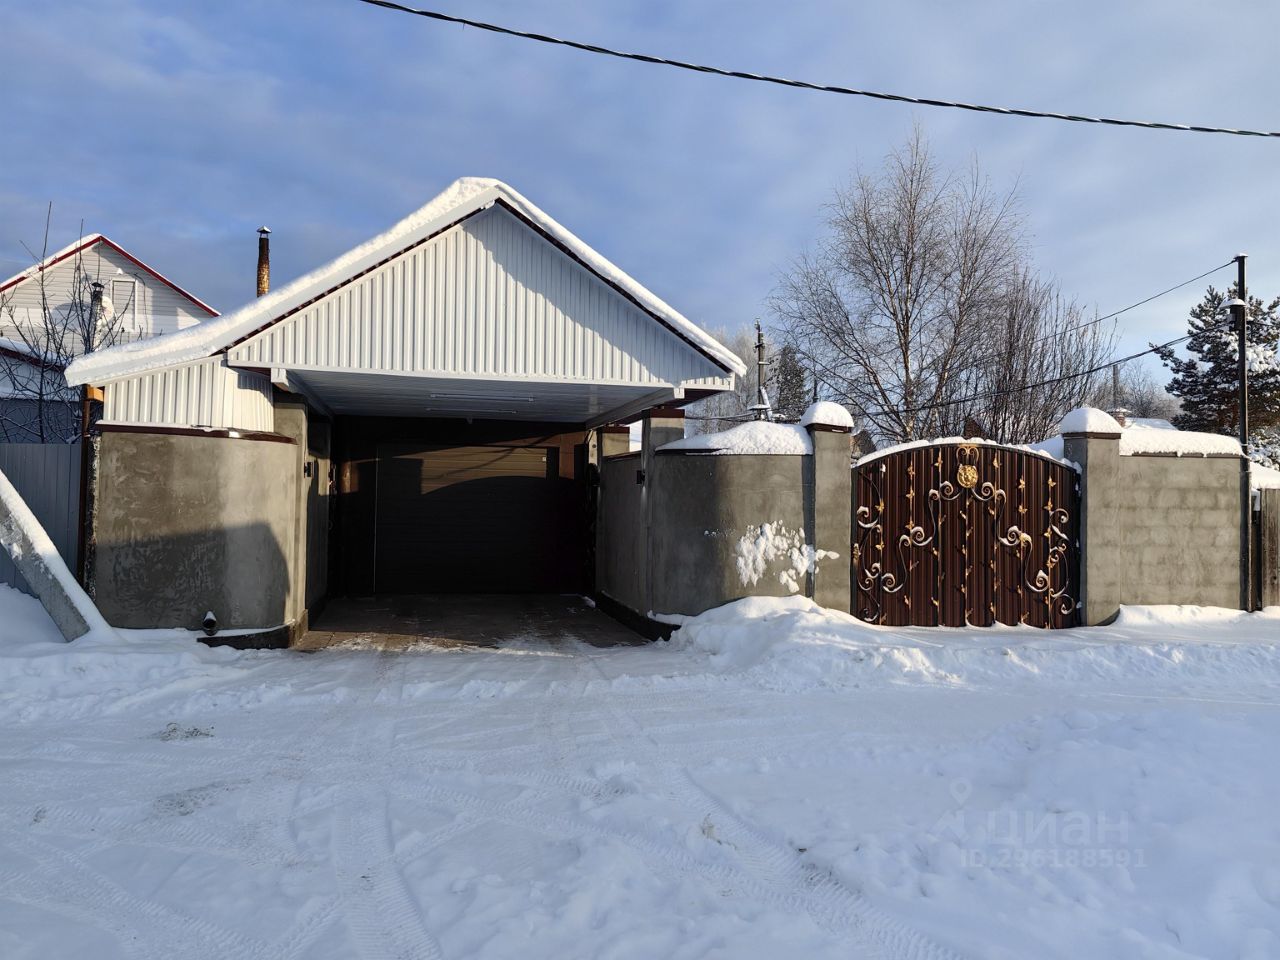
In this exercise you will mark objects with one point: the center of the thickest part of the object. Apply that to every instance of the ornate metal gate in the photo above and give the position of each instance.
(950, 534)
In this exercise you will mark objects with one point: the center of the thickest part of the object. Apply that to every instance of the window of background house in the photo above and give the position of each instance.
(124, 301)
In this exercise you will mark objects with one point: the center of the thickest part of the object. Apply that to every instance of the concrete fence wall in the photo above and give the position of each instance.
(680, 532)
(187, 523)
(1180, 520)
(47, 477)
(622, 557)
(1155, 529)
(729, 527)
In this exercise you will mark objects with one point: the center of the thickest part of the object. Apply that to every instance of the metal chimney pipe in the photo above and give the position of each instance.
(264, 260)
(95, 316)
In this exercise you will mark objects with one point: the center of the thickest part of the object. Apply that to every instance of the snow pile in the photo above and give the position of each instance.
(1089, 420)
(754, 437)
(828, 414)
(794, 644)
(463, 197)
(25, 621)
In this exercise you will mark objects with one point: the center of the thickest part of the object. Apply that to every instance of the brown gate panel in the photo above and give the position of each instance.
(955, 534)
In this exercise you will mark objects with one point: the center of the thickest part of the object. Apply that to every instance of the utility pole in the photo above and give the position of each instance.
(761, 407)
(1241, 307)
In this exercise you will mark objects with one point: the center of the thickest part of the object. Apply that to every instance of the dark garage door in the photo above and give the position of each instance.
(483, 519)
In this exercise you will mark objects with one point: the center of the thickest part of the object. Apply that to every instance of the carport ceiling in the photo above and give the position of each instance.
(377, 394)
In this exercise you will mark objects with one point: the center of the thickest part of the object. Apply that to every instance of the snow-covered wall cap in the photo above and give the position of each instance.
(827, 414)
(462, 198)
(1139, 438)
(1089, 420)
(758, 437)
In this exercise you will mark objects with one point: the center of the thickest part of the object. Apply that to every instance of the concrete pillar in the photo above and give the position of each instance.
(615, 440)
(291, 421)
(1101, 556)
(661, 425)
(829, 514)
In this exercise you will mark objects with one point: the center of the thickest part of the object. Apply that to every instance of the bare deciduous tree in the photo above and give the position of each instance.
(920, 311)
(44, 324)
(1033, 336)
(1136, 389)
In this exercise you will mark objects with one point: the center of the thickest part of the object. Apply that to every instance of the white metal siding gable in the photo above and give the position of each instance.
(206, 393)
(489, 297)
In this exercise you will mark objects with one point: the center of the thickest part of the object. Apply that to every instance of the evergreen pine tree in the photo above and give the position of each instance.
(790, 393)
(1206, 382)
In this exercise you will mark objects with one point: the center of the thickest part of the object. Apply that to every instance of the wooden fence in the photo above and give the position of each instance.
(47, 477)
(1268, 547)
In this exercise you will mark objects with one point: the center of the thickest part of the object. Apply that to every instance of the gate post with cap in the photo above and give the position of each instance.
(829, 514)
(1097, 452)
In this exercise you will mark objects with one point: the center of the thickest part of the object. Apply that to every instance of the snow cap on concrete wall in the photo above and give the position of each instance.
(1089, 420)
(757, 437)
(827, 414)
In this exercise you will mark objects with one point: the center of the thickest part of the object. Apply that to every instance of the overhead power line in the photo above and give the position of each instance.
(1134, 306)
(992, 394)
(807, 85)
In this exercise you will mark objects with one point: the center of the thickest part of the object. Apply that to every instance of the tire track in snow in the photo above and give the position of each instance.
(69, 886)
(381, 914)
(831, 904)
(386, 923)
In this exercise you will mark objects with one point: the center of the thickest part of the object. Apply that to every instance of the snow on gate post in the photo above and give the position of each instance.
(1091, 438)
(829, 505)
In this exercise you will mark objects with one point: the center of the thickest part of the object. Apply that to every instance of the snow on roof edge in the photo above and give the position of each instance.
(463, 197)
(28, 272)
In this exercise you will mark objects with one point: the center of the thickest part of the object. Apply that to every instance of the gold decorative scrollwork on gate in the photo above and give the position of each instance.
(965, 557)
(967, 471)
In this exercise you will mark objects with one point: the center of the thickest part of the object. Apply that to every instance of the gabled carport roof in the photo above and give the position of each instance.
(462, 199)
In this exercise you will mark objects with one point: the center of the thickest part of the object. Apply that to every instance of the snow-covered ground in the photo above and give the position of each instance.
(776, 781)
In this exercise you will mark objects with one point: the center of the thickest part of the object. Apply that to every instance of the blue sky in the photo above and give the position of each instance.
(177, 128)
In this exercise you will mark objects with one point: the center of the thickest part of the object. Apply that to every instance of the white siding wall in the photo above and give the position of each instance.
(488, 298)
(206, 393)
(157, 307)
